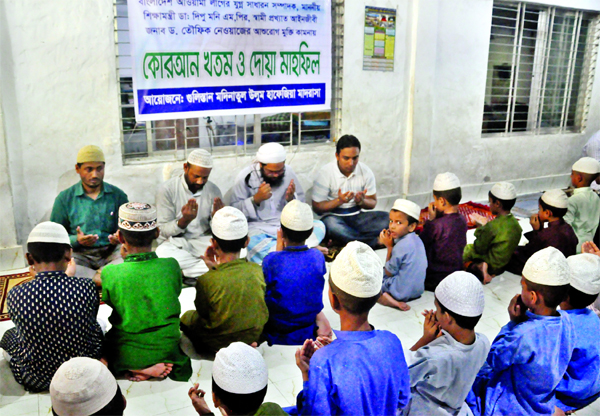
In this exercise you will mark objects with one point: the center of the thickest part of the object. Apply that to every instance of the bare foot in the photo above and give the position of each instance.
(324, 328)
(387, 300)
(160, 370)
(487, 278)
(323, 250)
(403, 306)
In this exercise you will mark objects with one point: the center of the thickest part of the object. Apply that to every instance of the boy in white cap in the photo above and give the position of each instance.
(531, 353)
(558, 234)
(85, 387)
(294, 275)
(186, 203)
(49, 310)
(143, 293)
(230, 297)
(406, 261)
(239, 384)
(363, 371)
(580, 384)
(495, 241)
(584, 205)
(444, 235)
(450, 352)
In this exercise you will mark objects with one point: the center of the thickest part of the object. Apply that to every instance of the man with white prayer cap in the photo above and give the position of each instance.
(186, 203)
(89, 211)
(261, 190)
(584, 205)
(239, 384)
(54, 314)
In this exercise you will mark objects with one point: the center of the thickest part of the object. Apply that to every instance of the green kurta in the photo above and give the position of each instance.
(144, 295)
(230, 306)
(270, 409)
(495, 243)
(583, 214)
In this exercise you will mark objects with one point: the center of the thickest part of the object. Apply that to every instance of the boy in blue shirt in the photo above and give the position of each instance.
(531, 353)
(294, 275)
(406, 261)
(363, 371)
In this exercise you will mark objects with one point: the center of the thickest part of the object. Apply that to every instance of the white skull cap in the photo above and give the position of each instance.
(462, 293)
(408, 207)
(446, 181)
(547, 267)
(49, 232)
(357, 270)
(271, 153)
(200, 157)
(297, 216)
(556, 198)
(240, 369)
(585, 273)
(81, 386)
(586, 165)
(137, 216)
(229, 224)
(504, 190)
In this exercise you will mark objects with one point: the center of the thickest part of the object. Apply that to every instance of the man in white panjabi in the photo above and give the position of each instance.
(186, 204)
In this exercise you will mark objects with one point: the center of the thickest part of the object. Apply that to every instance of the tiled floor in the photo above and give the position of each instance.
(170, 398)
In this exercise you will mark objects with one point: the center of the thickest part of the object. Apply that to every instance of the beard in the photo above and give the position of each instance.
(271, 181)
(192, 186)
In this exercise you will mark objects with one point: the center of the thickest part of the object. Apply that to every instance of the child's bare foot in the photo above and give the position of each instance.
(387, 300)
(403, 306)
(487, 278)
(160, 370)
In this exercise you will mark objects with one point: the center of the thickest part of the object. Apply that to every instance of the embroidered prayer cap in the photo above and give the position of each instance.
(137, 216)
(357, 270)
(229, 223)
(408, 207)
(297, 216)
(556, 198)
(81, 386)
(462, 293)
(504, 190)
(585, 273)
(90, 153)
(271, 153)
(240, 369)
(49, 232)
(446, 181)
(200, 157)
(547, 267)
(586, 165)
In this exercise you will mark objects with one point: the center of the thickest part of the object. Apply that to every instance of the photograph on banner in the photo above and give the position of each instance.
(380, 39)
(193, 58)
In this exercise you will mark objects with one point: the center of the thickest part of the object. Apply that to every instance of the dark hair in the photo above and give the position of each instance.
(556, 212)
(244, 404)
(474, 269)
(466, 322)
(410, 219)
(79, 164)
(453, 196)
(47, 252)
(507, 204)
(580, 300)
(353, 304)
(230, 246)
(115, 407)
(347, 140)
(552, 295)
(588, 178)
(296, 237)
(138, 238)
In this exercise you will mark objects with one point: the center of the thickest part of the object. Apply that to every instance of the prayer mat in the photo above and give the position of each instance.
(7, 283)
(465, 210)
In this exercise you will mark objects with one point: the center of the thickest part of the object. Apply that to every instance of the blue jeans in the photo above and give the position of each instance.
(365, 226)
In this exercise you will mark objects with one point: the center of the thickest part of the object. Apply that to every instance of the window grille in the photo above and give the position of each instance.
(541, 67)
(238, 135)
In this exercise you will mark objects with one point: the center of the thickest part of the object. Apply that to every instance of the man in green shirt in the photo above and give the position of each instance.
(89, 211)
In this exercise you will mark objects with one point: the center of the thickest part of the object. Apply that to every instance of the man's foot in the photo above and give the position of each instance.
(160, 370)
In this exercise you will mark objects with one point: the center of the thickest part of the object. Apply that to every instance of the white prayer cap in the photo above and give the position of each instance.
(90, 153)
(585, 273)
(446, 181)
(462, 293)
(547, 267)
(137, 216)
(408, 207)
(240, 369)
(81, 386)
(586, 165)
(357, 270)
(504, 190)
(200, 157)
(229, 224)
(271, 153)
(49, 232)
(556, 198)
(297, 216)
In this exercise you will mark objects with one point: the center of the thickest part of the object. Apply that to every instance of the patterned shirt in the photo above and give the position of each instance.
(55, 320)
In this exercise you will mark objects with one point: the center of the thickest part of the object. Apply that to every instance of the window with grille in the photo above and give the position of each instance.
(541, 68)
(174, 139)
